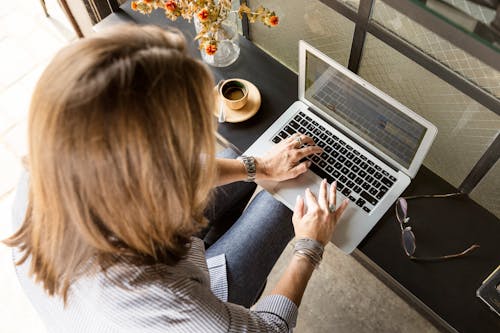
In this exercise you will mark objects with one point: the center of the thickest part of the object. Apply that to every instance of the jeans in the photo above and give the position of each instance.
(251, 239)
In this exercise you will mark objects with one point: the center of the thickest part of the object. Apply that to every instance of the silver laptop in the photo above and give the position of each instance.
(372, 144)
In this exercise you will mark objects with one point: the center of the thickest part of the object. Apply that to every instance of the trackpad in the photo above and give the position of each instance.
(288, 190)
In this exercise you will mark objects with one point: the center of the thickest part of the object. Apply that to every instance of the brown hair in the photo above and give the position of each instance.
(121, 153)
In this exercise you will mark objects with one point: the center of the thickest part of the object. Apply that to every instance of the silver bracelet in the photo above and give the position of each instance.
(249, 163)
(310, 249)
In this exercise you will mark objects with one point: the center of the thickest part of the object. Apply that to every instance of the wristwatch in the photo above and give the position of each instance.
(249, 163)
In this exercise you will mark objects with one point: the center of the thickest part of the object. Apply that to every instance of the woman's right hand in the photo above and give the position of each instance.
(317, 221)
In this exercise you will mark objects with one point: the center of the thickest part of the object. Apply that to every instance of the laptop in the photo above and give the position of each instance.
(372, 144)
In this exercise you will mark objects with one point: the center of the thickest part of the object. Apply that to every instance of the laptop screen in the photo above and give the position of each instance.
(372, 118)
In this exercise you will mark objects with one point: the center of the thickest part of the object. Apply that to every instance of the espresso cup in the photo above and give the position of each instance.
(234, 93)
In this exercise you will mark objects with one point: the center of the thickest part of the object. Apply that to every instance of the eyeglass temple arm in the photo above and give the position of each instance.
(449, 256)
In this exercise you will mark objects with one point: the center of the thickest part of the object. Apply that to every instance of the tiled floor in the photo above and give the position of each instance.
(341, 297)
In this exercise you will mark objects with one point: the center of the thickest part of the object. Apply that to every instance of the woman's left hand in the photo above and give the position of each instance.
(283, 161)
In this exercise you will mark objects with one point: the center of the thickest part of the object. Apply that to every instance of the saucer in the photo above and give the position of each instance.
(247, 111)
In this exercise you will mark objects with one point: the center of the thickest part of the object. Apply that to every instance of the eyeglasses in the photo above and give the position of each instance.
(408, 237)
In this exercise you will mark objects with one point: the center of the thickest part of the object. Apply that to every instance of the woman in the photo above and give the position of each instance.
(121, 171)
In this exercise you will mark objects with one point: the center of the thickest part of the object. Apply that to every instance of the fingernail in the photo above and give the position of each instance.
(324, 180)
(335, 183)
(298, 197)
(308, 163)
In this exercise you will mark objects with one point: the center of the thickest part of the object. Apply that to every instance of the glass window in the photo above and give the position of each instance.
(487, 192)
(466, 128)
(311, 21)
(448, 54)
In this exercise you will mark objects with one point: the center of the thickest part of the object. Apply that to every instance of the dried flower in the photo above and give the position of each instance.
(210, 14)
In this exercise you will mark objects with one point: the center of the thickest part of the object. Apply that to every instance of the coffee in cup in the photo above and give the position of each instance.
(234, 93)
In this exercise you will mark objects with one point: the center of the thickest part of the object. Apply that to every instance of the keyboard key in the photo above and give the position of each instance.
(349, 155)
(276, 139)
(331, 161)
(355, 168)
(308, 118)
(329, 141)
(336, 174)
(356, 160)
(322, 136)
(362, 174)
(341, 158)
(321, 144)
(369, 178)
(346, 192)
(316, 158)
(340, 186)
(322, 174)
(343, 150)
(359, 181)
(324, 156)
(283, 135)
(357, 189)
(363, 157)
(342, 142)
(383, 189)
(345, 170)
(370, 163)
(365, 186)
(385, 173)
(338, 165)
(376, 184)
(348, 147)
(336, 145)
(356, 152)
(310, 127)
(352, 198)
(392, 178)
(328, 149)
(350, 184)
(315, 123)
(322, 128)
(369, 198)
(297, 117)
(387, 182)
(335, 137)
(380, 195)
(289, 130)
(378, 168)
(316, 131)
(348, 163)
(304, 122)
(329, 169)
(302, 114)
(302, 130)
(343, 179)
(351, 175)
(373, 191)
(366, 209)
(335, 153)
(294, 124)
(360, 202)
(364, 166)
(370, 170)
(322, 164)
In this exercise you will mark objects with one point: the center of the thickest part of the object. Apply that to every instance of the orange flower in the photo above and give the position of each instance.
(273, 20)
(148, 1)
(171, 6)
(210, 49)
(134, 5)
(203, 15)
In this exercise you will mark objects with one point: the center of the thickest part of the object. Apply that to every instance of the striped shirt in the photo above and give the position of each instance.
(190, 296)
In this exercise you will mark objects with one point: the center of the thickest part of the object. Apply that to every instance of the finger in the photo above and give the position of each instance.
(333, 194)
(340, 211)
(299, 169)
(322, 195)
(307, 139)
(307, 151)
(312, 203)
(298, 211)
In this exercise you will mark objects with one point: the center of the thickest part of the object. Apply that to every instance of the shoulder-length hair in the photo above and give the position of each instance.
(121, 155)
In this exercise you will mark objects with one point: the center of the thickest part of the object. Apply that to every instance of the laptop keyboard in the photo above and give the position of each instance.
(360, 179)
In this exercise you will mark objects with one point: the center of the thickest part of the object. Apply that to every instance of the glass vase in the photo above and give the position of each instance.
(228, 48)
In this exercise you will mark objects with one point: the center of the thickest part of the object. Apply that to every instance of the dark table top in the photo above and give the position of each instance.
(441, 226)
